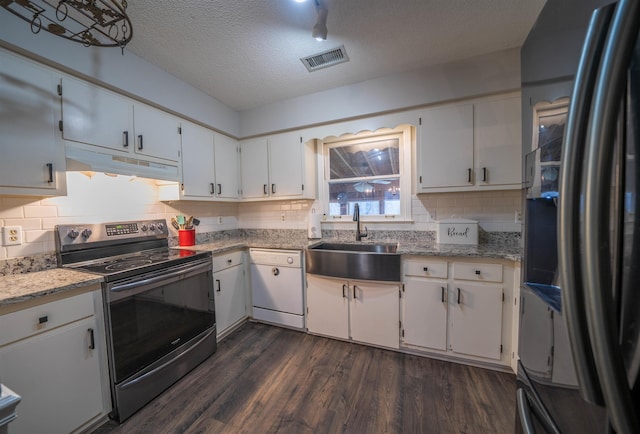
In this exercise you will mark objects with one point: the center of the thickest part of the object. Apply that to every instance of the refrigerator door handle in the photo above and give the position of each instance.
(597, 274)
(525, 412)
(569, 252)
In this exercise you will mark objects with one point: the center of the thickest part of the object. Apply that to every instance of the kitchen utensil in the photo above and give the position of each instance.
(181, 221)
(175, 224)
(196, 222)
(189, 224)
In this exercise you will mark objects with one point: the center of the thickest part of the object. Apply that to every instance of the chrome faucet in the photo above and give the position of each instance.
(356, 218)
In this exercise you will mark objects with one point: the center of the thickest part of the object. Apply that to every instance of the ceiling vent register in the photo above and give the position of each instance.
(325, 59)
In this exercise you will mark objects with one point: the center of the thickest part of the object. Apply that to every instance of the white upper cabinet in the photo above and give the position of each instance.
(95, 116)
(471, 146)
(157, 133)
(33, 160)
(446, 147)
(254, 156)
(209, 164)
(280, 166)
(286, 158)
(498, 142)
(197, 162)
(227, 167)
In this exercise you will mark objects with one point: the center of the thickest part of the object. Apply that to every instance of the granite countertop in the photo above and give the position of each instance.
(511, 253)
(17, 288)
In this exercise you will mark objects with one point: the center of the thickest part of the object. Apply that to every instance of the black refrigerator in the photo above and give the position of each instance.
(579, 339)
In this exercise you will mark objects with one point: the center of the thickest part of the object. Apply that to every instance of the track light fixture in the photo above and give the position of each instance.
(320, 29)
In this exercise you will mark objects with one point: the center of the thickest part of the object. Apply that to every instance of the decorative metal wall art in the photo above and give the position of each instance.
(100, 23)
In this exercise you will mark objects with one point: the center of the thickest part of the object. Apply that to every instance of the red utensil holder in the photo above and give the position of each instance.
(187, 237)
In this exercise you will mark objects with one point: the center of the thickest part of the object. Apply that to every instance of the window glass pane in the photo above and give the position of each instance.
(376, 197)
(375, 158)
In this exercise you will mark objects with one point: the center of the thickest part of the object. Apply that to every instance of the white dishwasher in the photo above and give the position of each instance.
(277, 287)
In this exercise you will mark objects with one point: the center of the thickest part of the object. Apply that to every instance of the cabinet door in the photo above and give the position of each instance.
(328, 306)
(255, 168)
(58, 377)
(157, 133)
(446, 147)
(286, 159)
(96, 116)
(230, 300)
(375, 313)
(424, 313)
(227, 167)
(28, 129)
(197, 161)
(498, 141)
(476, 320)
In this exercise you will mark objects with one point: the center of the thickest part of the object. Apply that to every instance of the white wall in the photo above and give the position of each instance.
(480, 75)
(129, 73)
(98, 199)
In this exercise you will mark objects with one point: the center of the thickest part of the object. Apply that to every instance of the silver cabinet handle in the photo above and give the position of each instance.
(469, 172)
(596, 267)
(484, 174)
(354, 292)
(125, 139)
(140, 145)
(264, 189)
(459, 295)
(211, 189)
(569, 207)
(219, 189)
(273, 189)
(344, 286)
(444, 291)
(218, 287)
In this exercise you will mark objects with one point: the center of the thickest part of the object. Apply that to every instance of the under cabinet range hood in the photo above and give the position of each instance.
(80, 159)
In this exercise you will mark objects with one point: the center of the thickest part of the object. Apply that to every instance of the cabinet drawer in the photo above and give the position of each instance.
(428, 268)
(226, 260)
(477, 272)
(28, 322)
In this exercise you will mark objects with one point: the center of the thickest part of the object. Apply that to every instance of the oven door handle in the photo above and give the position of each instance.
(171, 277)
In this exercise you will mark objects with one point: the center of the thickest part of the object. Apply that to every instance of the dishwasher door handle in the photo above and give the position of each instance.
(275, 271)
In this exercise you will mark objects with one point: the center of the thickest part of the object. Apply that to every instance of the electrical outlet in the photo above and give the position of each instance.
(518, 217)
(282, 217)
(12, 235)
(219, 220)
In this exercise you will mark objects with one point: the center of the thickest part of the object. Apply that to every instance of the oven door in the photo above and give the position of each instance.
(160, 326)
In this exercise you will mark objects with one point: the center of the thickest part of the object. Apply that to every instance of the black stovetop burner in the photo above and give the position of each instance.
(115, 264)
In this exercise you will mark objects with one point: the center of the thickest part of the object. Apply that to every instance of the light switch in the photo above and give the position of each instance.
(12, 235)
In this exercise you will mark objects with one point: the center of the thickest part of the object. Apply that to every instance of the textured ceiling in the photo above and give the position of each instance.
(246, 53)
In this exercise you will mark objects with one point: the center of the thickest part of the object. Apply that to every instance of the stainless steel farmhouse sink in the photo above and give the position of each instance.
(366, 261)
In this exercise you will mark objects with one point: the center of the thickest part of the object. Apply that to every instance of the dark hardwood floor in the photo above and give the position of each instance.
(267, 379)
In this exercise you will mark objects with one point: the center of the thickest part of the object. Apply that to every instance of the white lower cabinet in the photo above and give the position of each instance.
(230, 291)
(54, 358)
(424, 306)
(362, 311)
(476, 320)
(456, 307)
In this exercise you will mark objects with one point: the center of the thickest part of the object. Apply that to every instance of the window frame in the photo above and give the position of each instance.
(406, 137)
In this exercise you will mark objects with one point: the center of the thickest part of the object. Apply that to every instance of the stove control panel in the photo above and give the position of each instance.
(86, 234)
(121, 229)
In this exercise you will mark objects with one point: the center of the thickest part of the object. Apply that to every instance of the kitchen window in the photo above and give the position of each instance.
(371, 170)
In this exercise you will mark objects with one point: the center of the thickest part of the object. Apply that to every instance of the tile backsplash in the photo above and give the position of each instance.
(97, 197)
